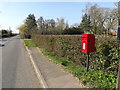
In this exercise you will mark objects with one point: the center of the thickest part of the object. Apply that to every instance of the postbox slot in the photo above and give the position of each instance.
(84, 37)
(84, 41)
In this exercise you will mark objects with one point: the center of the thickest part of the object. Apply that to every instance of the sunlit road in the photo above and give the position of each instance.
(17, 71)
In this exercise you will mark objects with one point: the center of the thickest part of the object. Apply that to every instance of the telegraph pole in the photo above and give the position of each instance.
(118, 39)
(9, 31)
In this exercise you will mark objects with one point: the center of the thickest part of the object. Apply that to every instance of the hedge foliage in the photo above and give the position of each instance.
(105, 57)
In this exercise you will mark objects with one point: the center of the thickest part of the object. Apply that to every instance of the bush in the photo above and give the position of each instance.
(69, 46)
(107, 55)
(72, 31)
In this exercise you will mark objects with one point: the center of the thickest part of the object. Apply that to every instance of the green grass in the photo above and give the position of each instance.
(29, 43)
(93, 78)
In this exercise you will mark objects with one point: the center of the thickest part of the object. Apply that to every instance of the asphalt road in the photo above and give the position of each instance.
(17, 71)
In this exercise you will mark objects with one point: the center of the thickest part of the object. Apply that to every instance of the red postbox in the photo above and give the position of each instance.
(88, 42)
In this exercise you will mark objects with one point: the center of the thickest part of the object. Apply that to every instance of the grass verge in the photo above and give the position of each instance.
(93, 78)
(29, 43)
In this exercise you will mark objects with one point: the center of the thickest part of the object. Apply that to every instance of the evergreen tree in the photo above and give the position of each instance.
(85, 24)
(30, 24)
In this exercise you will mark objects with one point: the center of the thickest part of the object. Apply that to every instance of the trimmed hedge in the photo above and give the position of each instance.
(105, 57)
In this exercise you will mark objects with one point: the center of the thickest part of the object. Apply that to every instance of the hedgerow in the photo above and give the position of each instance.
(69, 46)
(103, 62)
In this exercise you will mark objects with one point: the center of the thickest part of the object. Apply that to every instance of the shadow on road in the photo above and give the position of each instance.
(1, 45)
(3, 40)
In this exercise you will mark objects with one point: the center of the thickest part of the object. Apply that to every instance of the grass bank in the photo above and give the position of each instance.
(29, 43)
(93, 78)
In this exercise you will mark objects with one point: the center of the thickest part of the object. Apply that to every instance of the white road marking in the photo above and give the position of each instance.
(39, 76)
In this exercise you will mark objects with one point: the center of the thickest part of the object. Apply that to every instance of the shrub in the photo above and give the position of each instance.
(105, 57)
(72, 31)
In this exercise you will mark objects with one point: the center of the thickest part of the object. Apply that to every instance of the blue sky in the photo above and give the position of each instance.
(12, 14)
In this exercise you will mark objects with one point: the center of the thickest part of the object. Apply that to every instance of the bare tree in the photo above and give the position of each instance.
(102, 19)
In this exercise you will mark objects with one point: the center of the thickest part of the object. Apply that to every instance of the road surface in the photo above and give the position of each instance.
(17, 71)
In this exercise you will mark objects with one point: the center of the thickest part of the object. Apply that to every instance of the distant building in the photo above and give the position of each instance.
(113, 32)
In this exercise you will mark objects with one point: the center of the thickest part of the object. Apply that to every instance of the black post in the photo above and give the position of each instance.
(87, 64)
(118, 31)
